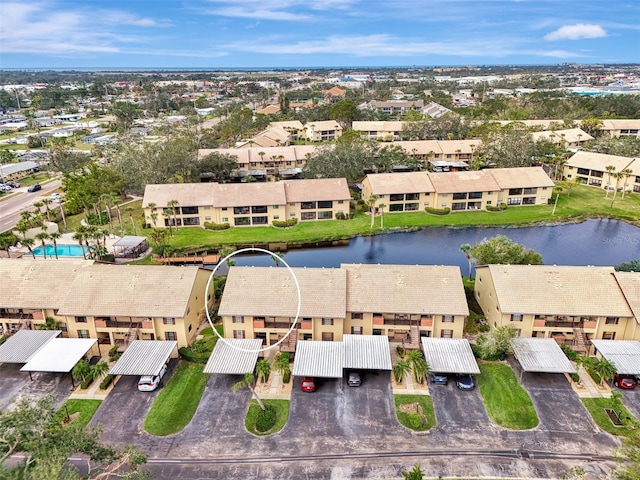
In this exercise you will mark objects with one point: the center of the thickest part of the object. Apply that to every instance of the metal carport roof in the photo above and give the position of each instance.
(318, 359)
(367, 352)
(449, 355)
(144, 357)
(542, 355)
(624, 354)
(23, 345)
(59, 355)
(234, 356)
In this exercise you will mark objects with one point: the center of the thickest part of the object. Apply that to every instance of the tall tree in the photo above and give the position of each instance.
(502, 250)
(43, 237)
(247, 382)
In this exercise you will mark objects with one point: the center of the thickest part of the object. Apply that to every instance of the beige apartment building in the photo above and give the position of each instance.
(459, 191)
(113, 303)
(245, 204)
(570, 304)
(621, 127)
(400, 301)
(591, 169)
(323, 131)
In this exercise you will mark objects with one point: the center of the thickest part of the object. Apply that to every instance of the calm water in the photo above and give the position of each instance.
(594, 242)
(63, 251)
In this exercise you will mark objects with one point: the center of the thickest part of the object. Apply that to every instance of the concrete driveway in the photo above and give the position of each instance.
(457, 409)
(14, 383)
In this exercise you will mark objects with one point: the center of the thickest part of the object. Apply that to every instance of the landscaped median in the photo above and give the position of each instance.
(177, 402)
(598, 407)
(267, 422)
(507, 403)
(415, 411)
(79, 411)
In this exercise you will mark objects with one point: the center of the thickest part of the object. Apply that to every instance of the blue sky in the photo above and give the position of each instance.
(297, 33)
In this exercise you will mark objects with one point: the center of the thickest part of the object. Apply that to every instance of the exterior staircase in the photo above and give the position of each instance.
(131, 335)
(414, 338)
(289, 345)
(580, 341)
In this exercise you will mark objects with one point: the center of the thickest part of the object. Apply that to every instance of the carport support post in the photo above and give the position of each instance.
(73, 384)
(521, 374)
(30, 377)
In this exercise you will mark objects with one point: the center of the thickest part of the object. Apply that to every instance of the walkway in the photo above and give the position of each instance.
(587, 388)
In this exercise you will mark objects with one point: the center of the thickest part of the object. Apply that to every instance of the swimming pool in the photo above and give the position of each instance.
(63, 251)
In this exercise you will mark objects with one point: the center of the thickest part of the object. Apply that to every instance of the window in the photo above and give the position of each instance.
(518, 332)
(307, 205)
(475, 195)
(259, 209)
(608, 335)
(356, 316)
(81, 319)
(412, 196)
(325, 215)
(240, 210)
(411, 207)
(83, 333)
(327, 321)
(238, 319)
(325, 204)
(170, 336)
(396, 207)
(307, 215)
(515, 191)
(514, 201)
(340, 202)
(238, 221)
(207, 219)
(583, 171)
(189, 210)
(530, 191)
(259, 220)
(169, 321)
(612, 321)
(447, 318)
(327, 336)
(459, 196)
(458, 206)
(356, 330)
(396, 197)
(238, 334)
(446, 334)
(276, 217)
(516, 317)
(529, 201)
(191, 221)
(225, 219)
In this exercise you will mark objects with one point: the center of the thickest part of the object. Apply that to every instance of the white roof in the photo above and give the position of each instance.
(24, 344)
(449, 355)
(59, 355)
(234, 361)
(624, 354)
(318, 359)
(541, 355)
(369, 352)
(144, 357)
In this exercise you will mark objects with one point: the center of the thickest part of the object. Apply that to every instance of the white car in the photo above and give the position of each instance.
(4, 187)
(55, 196)
(149, 383)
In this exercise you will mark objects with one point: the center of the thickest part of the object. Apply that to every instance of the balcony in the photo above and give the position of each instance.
(18, 316)
(126, 325)
(270, 325)
(258, 324)
(562, 324)
(306, 325)
(426, 322)
(378, 321)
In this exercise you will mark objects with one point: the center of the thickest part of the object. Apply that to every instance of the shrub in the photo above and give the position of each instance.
(415, 420)
(93, 219)
(86, 383)
(569, 352)
(400, 351)
(575, 377)
(216, 226)
(106, 381)
(114, 354)
(437, 211)
(491, 208)
(503, 206)
(341, 216)
(266, 419)
(286, 376)
(285, 223)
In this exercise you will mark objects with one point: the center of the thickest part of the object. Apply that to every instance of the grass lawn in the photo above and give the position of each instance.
(39, 177)
(74, 221)
(596, 407)
(176, 404)
(282, 414)
(507, 403)
(208, 332)
(413, 420)
(86, 408)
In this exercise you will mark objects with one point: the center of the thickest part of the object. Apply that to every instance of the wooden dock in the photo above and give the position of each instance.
(206, 260)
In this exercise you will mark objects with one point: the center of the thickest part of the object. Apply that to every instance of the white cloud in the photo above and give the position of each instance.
(260, 13)
(577, 32)
(279, 10)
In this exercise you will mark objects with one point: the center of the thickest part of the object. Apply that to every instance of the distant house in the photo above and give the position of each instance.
(14, 171)
(46, 121)
(591, 169)
(323, 131)
(621, 127)
(334, 94)
(435, 110)
(566, 138)
(397, 107)
(294, 127)
(274, 136)
(379, 130)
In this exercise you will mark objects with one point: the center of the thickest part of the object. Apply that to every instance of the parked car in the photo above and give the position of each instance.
(55, 196)
(465, 382)
(308, 385)
(4, 188)
(34, 188)
(626, 382)
(13, 184)
(438, 378)
(148, 383)
(354, 379)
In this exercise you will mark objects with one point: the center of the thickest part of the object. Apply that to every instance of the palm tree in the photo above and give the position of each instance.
(618, 176)
(55, 236)
(627, 172)
(263, 370)
(401, 369)
(466, 249)
(247, 382)
(46, 202)
(29, 242)
(50, 323)
(153, 215)
(281, 365)
(166, 213)
(418, 364)
(81, 370)
(605, 369)
(22, 227)
(38, 205)
(129, 210)
(79, 237)
(381, 207)
(107, 199)
(43, 236)
(371, 203)
(64, 220)
(99, 369)
(610, 169)
(172, 204)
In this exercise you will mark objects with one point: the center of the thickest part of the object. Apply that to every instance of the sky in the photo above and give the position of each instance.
(213, 34)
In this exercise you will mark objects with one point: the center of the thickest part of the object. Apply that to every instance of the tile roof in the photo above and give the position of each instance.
(598, 161)
(458, 146)
(418, 289)
(521, 177)
(629, 283)
(188, 194)
(457, 182)
(556, 290)
(252, 154)
(248, 194)
(400, 182)
(271, 291)
(619, 124)
(316, 190)
(323, 125)
(378, 126)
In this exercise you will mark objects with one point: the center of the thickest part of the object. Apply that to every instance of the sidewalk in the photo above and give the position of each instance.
(587, 387)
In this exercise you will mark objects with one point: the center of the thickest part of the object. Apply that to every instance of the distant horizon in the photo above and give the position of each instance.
(291, 34)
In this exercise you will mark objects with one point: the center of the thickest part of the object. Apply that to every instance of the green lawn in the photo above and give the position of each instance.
(86, 408)
(282, 414)
(39, 177)
(208, 332)
(596, 407)
(413, 421)
(176, 404)
(507, 403)
(74, 221)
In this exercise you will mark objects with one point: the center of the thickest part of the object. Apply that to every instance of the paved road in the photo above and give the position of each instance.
(22, 200)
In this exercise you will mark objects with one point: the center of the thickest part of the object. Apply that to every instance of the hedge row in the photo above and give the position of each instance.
(437, 211)
(106, 381)
(499, 208)
(285, 223)
(191, 356)
(216, 226)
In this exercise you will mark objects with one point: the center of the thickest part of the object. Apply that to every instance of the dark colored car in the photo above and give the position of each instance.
(354, 379)
(34, 188)
(438, 378)
(627, 382)
(308, 385)
(13, 184)
(465, 382)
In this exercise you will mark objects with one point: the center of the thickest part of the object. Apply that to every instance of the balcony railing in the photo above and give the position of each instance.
(114, 324)
(17, 316)
(560, 323)
(286, 325)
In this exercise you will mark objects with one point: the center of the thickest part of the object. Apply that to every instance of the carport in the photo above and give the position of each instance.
(24, 344)
(541, 355)
(144, 357)
(234, 356)
(319, 359)
(59, 355)
(624, 354)
(367, 352)
(450, 355)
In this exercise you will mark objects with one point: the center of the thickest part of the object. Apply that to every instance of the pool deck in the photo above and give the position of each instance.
(65, 239)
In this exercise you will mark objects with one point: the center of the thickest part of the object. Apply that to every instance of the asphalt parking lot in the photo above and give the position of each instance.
(631, 399)
(559, 408)
(456, 409)
(14, 383)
